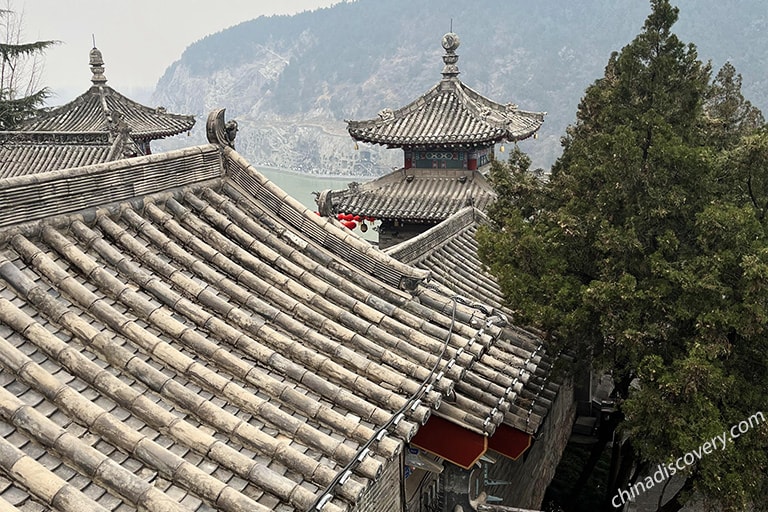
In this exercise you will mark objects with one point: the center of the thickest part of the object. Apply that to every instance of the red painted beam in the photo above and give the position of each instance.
(451, 442)
(509, 441)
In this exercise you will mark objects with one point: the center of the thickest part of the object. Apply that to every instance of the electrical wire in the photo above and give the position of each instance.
(411, 403)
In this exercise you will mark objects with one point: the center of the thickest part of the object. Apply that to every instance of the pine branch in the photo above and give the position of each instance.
(14, 51)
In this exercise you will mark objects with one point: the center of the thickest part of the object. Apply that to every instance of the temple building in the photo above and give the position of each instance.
(99, 126)
(103, 110)
(179, 334)
(448, 136)
(449, 252)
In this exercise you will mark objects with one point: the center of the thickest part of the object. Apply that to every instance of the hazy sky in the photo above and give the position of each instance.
(139, 39)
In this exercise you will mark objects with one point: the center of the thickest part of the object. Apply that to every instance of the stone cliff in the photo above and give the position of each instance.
(291, 81)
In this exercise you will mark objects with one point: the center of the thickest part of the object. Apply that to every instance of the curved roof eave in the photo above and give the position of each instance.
(94, 111)
(493, 121)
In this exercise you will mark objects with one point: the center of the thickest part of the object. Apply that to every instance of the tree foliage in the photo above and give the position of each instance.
(20, 95)
(646, 254)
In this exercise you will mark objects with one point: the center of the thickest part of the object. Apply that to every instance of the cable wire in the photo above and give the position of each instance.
(411, 403)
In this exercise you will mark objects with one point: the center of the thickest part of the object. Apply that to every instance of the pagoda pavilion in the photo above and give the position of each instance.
(101, 109)
(447, 136)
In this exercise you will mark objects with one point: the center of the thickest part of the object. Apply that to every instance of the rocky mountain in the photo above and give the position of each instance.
(291, 81)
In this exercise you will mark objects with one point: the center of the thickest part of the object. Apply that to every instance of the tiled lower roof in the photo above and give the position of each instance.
(449, 252)
(415, 195)
(34, 152)
(176, 333)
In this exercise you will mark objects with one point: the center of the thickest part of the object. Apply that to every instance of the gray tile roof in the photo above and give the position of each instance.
(449, 115)
(32, 152)
(449, 252)
(416, 195)
(98, 109)
(102, 109)
(176, 333)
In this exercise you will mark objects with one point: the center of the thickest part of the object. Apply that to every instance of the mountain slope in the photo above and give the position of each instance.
(291, 81)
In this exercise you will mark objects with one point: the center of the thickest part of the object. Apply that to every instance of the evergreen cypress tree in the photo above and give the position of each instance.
(646, 255)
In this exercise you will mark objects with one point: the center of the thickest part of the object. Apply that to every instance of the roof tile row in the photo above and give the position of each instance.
(411, 195)
(217, 345)
(103, 109)
(449, 252)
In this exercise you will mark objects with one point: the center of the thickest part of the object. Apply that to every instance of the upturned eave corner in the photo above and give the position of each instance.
(218, 131)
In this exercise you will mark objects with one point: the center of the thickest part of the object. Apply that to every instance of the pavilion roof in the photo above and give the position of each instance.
(103, 109)
(412, 195)
(449, 115)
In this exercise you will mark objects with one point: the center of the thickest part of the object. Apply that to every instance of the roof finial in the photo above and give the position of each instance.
(450, 43)
(97, 65)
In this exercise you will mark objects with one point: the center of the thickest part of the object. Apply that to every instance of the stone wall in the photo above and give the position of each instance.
(523, 482)
(385, 495)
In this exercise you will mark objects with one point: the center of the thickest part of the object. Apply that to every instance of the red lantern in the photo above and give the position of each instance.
(350, 224)
(340, 216)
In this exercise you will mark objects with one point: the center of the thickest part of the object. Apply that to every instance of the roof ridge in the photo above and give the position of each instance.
(418, 247)
(33, 197)
(326, 232)
(101, 91)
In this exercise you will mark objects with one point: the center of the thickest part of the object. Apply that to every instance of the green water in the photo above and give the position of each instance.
(301, 186)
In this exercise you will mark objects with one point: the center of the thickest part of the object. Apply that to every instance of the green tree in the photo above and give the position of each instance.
(728, 116)
(20, 96)
(646, 255)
